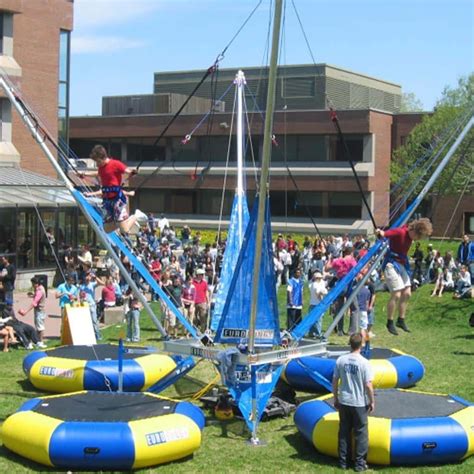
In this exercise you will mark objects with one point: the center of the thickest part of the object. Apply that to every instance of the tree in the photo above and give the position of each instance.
(410, 103)
(431, 136)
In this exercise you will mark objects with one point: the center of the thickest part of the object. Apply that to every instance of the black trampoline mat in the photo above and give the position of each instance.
(375, 352)
(96, 352)
(105, 406)
(394, 403)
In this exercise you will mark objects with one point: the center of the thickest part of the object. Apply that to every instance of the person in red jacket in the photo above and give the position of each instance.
(114, 198)
(397, 268)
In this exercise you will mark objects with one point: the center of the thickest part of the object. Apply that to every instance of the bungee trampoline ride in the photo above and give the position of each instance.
(406, 428)
(72, 368)
(104, 430)
(392, 369)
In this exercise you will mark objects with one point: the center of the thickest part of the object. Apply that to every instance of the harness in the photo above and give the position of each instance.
(109, 202)
(392, 257)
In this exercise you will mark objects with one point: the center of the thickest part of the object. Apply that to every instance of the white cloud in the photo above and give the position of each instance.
(102, 44)
(90, 14)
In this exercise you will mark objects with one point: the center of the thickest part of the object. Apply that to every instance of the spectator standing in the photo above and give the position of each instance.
(188, 299)
(133, 321)
(87, 294)
(201, 300)
(465, 254)
(341, 266)
(37, 305)
(7, 277)
(317, 291)
(67, 293)
(294, 292)
(354, 399)
(418, 258)
(163, 223)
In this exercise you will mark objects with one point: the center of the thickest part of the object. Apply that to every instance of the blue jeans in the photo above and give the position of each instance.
(317, 328)
(133, 325)
(95, 321)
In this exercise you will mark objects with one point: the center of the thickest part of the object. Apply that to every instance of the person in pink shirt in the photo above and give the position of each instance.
(201, 300)
(341, 266)
(37, 305)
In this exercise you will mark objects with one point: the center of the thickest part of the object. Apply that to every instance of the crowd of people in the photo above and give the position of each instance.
(188, 271)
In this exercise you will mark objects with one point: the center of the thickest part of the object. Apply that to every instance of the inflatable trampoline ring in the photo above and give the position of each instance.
(392, 369)
(406, 428)
(73, 368)
(104, 430)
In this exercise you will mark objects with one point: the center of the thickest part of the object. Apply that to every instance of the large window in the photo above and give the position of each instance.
(345, 205)
(27, 244)
(63, 86)
(7, 231)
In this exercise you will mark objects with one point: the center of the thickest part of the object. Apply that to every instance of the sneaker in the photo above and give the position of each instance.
(401, 324)
(361, 467)
(30, 346)
(371, 334)
(141, 216)
(41, 345)
(391, 328)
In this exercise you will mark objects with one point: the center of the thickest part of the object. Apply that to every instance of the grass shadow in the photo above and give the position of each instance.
(461, 353)
(465, 336)
(27, 386)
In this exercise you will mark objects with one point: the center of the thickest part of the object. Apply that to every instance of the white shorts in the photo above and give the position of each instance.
(363, 320)
(40, 316)
(396, 281)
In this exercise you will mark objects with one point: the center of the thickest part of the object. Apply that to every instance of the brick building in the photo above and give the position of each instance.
(35, 57)
(368, 110)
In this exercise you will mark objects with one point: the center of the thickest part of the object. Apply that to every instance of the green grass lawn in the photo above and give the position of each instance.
(440, 338)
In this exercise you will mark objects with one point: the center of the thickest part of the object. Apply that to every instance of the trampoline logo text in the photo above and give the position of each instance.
(55, 372)
(160, 437)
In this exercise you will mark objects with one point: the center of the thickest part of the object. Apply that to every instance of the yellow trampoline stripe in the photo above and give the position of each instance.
(155, 367)
(398, 351)
(57, 374)
(385, 373)
(325, 434)
(379, 440)
(325, 437)
(466, 419)
(164, 438)
(28, 434)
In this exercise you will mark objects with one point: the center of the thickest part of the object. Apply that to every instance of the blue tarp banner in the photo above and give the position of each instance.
(239, 219)
(235, 321)
(258, 382)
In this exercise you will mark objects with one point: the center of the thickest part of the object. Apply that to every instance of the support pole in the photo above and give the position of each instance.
(267, 149)
(98, 230)
(240, 82)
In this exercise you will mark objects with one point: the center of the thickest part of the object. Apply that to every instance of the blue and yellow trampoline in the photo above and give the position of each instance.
(391, 368)
(406, 428)
(72, 368)
(103, 430)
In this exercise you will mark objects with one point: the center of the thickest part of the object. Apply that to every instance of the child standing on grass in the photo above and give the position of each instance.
(133, 321)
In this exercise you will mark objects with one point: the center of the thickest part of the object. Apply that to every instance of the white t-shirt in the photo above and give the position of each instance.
(354, 372)
(317, 290)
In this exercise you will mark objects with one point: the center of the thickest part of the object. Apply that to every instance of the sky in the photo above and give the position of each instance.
(117, 45)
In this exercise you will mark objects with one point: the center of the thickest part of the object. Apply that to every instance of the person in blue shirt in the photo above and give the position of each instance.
(67, 293)
(465, 254)
(294, 292)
